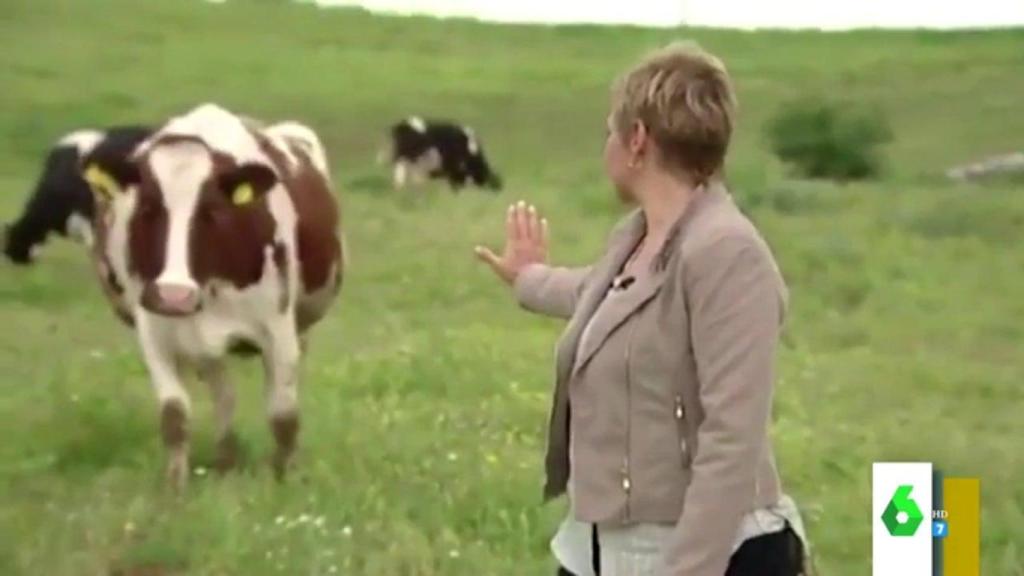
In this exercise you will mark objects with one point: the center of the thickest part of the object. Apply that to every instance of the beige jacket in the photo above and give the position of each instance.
(671, 396)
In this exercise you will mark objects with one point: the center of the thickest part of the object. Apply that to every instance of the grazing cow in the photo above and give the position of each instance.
(61, 202)
(216, 236)
(421, 149)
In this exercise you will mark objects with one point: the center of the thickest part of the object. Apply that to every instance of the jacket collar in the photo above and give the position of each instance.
(621, 245)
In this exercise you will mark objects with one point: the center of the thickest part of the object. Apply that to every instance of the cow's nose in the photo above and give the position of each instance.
(178, 298)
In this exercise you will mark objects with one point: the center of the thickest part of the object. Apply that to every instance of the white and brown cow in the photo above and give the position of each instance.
(217, 235)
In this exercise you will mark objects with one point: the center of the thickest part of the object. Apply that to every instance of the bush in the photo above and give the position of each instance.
(822, 139)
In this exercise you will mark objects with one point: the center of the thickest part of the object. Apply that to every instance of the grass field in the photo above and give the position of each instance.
(426, 391)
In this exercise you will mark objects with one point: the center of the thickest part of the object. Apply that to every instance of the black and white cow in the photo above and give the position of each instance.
(62, 201)
(438, 149)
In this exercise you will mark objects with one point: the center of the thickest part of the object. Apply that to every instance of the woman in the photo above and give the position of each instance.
(664, 375)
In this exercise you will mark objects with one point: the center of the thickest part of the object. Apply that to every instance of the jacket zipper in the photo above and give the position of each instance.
(627, 483)
(679, 412)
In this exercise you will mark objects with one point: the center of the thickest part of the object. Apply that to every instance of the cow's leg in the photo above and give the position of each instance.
(281, 363)
(401, 174)
(419, 175)
(428, 165)
(456, 180)
(174, 401)
(214, 373)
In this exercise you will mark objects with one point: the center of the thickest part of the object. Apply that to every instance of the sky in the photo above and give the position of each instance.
(746, 14)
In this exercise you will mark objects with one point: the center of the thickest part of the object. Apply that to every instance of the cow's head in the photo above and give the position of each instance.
(193, 213)
(17, 248)
(476, 165)
(480, 171)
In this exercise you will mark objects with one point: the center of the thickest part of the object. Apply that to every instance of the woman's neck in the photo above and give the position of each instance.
(665, 201)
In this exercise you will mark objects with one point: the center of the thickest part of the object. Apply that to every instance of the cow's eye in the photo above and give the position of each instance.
(211, 211)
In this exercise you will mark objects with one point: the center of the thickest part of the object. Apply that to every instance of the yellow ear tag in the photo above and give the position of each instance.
(103, 183)
(242, 195)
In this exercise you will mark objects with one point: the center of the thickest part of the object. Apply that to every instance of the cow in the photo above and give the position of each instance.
(218, 235)
(61, 202)
(419, 149)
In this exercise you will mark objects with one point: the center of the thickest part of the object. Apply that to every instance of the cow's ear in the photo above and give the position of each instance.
(108, 178)
(247, 183)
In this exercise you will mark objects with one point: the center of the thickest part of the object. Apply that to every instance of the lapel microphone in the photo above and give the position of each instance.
(621, 283)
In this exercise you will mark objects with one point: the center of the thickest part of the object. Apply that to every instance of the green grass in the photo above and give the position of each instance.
(426, 391)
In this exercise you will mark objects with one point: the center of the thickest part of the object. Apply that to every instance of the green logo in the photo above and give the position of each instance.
(902, 517)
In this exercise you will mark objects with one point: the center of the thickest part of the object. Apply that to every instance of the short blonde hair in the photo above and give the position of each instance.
(684, 97)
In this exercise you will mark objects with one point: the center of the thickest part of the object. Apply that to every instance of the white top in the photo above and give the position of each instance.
(571, 545)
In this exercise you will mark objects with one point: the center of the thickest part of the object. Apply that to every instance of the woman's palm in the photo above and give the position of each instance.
(526, 242)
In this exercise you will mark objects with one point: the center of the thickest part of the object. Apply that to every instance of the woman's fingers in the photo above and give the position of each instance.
(497, 264)
(526, 242)
(533, 224)
(519, 211)
(524, 227)
(511, 230)
(486, 255)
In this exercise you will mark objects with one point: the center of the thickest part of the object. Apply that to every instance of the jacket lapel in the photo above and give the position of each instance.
(627, 303)
(619, 249)
(615, 311)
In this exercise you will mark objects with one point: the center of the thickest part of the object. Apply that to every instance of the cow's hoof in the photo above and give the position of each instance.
(280, 464)
(228, 450)
(286, 430)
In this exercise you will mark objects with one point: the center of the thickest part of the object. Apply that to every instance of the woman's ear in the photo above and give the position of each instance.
(638, 143)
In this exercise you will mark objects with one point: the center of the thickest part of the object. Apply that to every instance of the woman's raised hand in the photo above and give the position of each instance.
(526, 242)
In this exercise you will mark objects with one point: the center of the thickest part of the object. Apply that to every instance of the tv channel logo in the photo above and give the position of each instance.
(901, 519)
